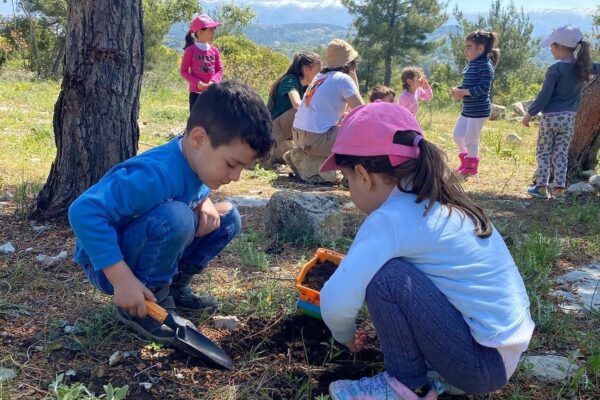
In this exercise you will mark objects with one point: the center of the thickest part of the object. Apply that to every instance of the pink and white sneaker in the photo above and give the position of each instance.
(378, 387)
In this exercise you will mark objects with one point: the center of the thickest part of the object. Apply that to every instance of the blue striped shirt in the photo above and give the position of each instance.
(477, 77)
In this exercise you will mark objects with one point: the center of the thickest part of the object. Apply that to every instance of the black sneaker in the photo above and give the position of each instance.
(185, 297)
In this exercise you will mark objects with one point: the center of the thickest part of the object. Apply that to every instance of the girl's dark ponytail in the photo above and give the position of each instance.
(489, 41)
(428, 177)
(189, 40)
(583, 61)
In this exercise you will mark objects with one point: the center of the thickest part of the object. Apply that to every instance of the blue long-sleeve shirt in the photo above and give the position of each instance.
(126, 191)
(561, 90)
(477, 77)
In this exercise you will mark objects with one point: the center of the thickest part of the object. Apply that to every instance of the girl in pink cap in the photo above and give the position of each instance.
(444, 294)
(201, 64)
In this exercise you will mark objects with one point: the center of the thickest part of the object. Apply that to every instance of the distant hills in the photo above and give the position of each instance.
(290, 25)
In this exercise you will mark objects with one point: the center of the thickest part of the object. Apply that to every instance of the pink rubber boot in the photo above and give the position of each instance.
(470, 168)
(462, 162)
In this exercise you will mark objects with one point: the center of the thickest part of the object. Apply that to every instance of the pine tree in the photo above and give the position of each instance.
(395, 28)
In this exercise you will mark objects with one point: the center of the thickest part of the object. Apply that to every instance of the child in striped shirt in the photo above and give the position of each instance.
(475, 93)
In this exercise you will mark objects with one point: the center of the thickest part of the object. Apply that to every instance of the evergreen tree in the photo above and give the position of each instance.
(517, 47)
(395, 28)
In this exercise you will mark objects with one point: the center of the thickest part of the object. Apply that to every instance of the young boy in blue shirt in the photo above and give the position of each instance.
(148, 226)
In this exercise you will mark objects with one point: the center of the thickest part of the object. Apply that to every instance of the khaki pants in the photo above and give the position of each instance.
(316, 144)
(282, 133)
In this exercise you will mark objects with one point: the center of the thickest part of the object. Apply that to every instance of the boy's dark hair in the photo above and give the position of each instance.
(380, 92)
(231, 110)
(489, 41)
(428, 177)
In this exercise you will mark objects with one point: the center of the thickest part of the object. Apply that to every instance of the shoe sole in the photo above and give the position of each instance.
(139, 329)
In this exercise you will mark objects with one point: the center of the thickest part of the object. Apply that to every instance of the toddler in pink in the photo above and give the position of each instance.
(201, 64)
(416, 88)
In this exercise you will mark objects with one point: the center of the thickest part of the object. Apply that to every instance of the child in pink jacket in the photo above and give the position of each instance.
(201, 64)
(415, 87)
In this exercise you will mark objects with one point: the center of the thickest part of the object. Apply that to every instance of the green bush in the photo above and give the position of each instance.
(254, 65)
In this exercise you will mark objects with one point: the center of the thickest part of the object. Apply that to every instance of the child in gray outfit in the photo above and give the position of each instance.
(558, 101)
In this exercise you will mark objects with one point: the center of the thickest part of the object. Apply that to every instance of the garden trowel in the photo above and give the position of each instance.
(189, 339)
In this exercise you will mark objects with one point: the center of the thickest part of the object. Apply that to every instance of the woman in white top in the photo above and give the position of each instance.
(331, 92)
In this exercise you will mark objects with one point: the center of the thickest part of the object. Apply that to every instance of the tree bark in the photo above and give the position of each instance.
(95, 116)
(583, 152)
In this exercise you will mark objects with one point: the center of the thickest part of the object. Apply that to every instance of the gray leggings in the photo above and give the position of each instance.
(417, 326)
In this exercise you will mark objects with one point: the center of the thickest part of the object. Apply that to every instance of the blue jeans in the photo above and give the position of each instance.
(154, 243)
(417, 326)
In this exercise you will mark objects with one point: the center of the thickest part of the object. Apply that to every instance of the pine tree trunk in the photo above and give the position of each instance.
(95, 116)
(583, 152)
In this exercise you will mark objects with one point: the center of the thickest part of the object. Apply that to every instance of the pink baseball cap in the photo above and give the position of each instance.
(566, 35)
(369, 130)
(202, 22)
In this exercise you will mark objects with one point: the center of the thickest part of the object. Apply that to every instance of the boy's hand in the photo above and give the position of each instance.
(526, 119)
(208, 218)
(129, 292)
(424, 83)
(357, 343)
(458, 94)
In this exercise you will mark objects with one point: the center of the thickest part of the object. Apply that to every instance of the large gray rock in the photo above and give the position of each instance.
(498, 112)
(595, 181)
(550, 368)
(306, 166)
(297, 215)
(583, 283)
(581, 187)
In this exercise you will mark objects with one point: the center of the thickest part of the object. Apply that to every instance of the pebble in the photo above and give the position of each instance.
(7, 374)
(7, 248)
(227, 322)
(116, 358)
(146, 385)
(70, 372)
(48, 261)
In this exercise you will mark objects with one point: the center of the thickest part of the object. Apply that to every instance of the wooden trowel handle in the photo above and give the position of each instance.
(156, 312)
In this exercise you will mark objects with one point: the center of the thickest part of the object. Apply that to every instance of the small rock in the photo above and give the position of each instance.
(588, 174)
(498, 112)
(7, 248)
(48, 261)
(70, 372)
(99, 372)
(40, 229)
(146, 385)
(248, 201)
(227, 322)
(518, 109)
(28, 250)
(69, 328)
(513, 138)
(581, 187)
(550, 368)
(116, 358)
(275, 269)
(45, 260)
(6, 196)
(595, 181)
(7, 374)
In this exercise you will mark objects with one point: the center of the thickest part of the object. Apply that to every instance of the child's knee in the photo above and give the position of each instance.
(174, 221)
(231, 221)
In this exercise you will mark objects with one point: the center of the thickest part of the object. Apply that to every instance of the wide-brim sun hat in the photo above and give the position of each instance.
(369, 130)
(567, 36)
(339, 53)
(203, 22)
